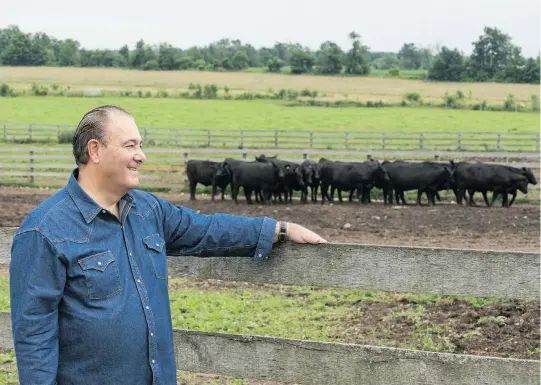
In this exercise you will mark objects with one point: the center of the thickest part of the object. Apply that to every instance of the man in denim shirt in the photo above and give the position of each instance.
(88, 273)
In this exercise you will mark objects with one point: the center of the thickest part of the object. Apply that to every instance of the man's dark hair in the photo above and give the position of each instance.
(92, 126)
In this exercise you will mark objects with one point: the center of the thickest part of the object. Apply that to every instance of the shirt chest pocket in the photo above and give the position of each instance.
(154, 245)
(101, 274)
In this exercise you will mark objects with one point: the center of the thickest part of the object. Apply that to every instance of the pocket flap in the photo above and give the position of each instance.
(97, 261)
(154, 242)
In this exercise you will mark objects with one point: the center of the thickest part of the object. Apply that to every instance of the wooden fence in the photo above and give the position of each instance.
(390, 268)
(331, 139)
(166, 167)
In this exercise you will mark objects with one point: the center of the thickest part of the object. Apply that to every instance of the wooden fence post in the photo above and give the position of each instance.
(459, 138)
(347, 141)
(177, 137)
(312, 138)
(31, 167)
(6, 133)
(185, 157)
(499, 144)
(209, 138)
(383, 140)
(30, 131)
(275, 138)
(241, 138)
(537, 143)
(421, 136)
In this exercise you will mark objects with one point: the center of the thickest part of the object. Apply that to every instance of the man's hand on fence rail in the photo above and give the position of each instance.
(298, 233)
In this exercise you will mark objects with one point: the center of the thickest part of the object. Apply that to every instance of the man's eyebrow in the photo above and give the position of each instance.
(132, 140)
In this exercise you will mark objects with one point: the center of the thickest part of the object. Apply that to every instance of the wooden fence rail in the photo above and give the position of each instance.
(349, 140)
(50, 163)
(402, 269)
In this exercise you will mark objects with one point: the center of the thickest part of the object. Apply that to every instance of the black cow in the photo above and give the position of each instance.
(204, 172)
(293, 177)
(254, 176)
(351, 176)
(374, 174)
(500, 179)
(527, 172)
(310, 173)
(425, 177)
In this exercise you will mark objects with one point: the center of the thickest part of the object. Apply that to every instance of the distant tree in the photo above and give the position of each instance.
(125, 52)
(409, 57)
(301, 61)
(167, 57)
(240, 60)
(275, 64)
(491, 52)
(69, 55)
(358, 58)
(448, 65)
(184, 62)
(387, 62)
(329, 58)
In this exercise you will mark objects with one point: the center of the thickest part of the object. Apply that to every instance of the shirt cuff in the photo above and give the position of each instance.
(266, 238)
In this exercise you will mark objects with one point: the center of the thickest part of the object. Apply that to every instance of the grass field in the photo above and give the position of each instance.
(222, 114)
(356, 88)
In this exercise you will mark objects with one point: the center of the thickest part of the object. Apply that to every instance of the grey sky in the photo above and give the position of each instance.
(383, 25)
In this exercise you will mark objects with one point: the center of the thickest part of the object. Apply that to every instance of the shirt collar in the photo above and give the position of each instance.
(88, 207)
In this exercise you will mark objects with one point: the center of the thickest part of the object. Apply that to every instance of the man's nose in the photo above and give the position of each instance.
(140, 155)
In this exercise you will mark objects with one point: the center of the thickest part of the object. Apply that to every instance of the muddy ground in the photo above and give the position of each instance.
(508, 329)
(443, 225)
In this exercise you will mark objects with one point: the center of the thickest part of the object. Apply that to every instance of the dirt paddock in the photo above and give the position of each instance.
(443, 225)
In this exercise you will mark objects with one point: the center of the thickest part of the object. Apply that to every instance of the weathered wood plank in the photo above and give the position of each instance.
(359, 153)
(441, 271)
(317, 363)
(373, 267)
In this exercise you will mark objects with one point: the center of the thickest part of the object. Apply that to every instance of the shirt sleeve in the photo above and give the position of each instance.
(37, 279)
(190, 233)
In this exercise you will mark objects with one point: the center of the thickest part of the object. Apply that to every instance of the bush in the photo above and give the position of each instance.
(480, 106)
(535, 103)
(210, 91)
(509, 104)
(292, 94)
(413, 97)
(454, 101)
(394, 72)
(39, 90)
(65, 136)
(162, 94)
(6, 90)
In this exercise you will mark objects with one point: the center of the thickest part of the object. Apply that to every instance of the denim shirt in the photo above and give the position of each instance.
(89, 294)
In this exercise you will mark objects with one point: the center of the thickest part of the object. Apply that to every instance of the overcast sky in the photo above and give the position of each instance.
(384, 25)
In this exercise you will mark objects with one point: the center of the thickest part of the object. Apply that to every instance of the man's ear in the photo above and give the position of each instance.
(93, 148)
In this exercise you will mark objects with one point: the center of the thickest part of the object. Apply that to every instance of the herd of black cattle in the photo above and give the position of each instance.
(270, 178)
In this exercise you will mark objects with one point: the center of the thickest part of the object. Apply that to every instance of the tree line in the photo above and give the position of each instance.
(493, 58)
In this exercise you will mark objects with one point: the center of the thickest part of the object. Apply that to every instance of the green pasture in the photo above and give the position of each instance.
(266, 115)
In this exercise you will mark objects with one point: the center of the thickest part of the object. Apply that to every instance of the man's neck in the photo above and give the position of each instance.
(98, 191)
